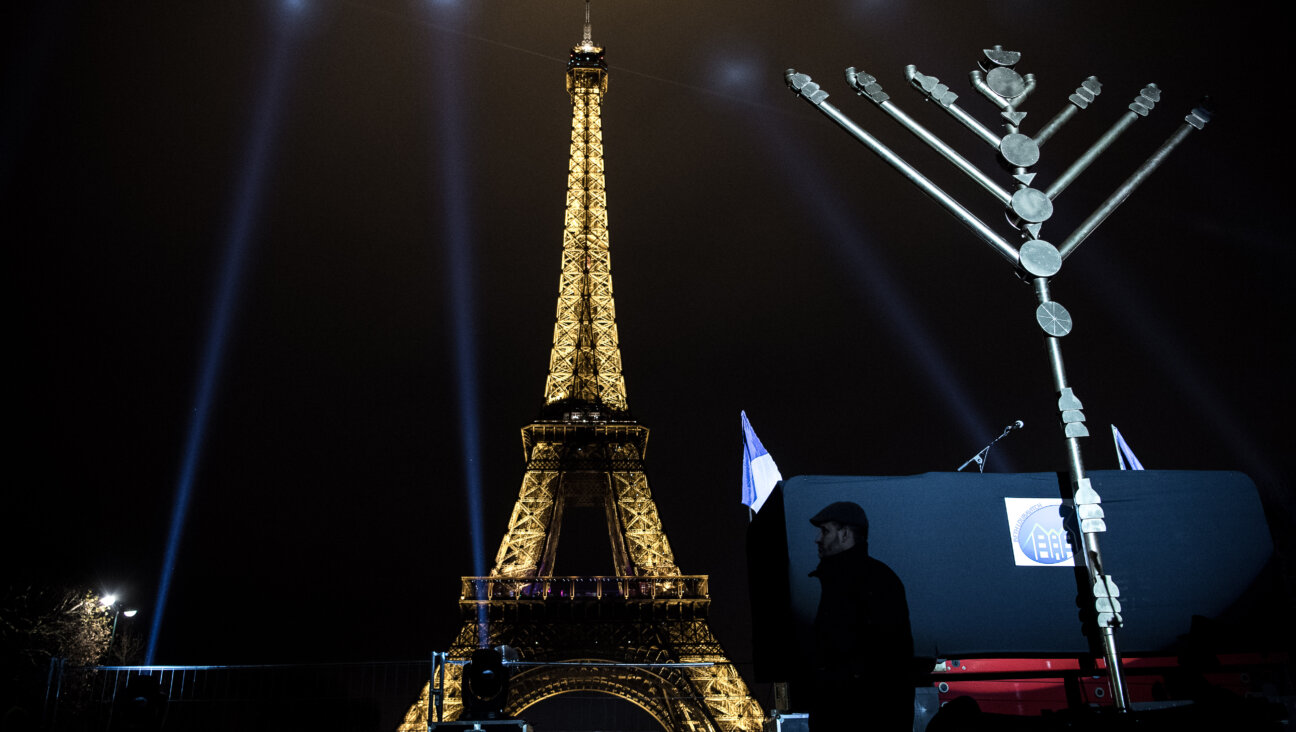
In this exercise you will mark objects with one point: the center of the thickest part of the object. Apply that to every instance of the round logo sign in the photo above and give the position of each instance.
(1042, 537)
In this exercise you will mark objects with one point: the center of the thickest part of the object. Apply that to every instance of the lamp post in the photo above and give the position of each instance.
(110, 601)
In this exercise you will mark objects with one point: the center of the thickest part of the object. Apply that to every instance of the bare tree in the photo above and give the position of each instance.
(40, 623)
(37, 624)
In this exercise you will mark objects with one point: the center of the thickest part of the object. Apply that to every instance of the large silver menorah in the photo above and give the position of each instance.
(1034, 259)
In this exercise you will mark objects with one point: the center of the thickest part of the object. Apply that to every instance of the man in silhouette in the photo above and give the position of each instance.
(863, 648)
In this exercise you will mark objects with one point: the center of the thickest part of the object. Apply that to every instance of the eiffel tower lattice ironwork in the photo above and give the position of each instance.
(641, 633)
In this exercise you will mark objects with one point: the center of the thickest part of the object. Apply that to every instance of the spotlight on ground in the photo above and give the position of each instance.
(486, 683)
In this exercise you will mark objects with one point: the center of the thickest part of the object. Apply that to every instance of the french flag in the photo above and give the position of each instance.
(759, 473)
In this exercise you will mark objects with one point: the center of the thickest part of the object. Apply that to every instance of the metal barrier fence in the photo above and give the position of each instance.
(355, 697)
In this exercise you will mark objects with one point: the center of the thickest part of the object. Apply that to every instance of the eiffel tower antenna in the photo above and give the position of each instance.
(588, 41)
(639, 632)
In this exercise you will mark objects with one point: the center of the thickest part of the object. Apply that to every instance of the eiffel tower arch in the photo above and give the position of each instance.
(641, 632)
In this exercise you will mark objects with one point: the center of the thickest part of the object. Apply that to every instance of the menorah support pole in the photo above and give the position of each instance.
(1056, 323)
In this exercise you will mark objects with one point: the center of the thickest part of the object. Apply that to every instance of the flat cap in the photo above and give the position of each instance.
(843, 512)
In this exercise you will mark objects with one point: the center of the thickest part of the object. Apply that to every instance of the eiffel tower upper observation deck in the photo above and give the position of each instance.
(627, 633)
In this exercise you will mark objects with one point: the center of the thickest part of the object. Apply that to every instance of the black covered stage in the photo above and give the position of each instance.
(987, 576)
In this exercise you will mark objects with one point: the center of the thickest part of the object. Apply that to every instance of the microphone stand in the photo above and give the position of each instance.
(980, 457)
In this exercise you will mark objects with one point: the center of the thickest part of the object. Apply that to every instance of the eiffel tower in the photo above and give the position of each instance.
(640, 634)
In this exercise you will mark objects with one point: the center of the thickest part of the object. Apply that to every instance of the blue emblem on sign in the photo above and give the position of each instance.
(1042, 537)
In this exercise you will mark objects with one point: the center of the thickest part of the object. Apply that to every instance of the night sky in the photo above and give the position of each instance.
(763, 260)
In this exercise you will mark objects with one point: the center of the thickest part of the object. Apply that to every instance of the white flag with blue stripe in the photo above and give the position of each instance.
(1123, 452)
(759, 473)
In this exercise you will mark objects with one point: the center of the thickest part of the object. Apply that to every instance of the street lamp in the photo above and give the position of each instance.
(110, 601)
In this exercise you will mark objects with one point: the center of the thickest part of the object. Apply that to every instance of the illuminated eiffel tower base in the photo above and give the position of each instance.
(639, 633)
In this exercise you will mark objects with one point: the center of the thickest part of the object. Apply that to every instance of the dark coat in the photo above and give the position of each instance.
(863, 645)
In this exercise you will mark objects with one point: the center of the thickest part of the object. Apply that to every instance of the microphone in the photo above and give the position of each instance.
(980, 457)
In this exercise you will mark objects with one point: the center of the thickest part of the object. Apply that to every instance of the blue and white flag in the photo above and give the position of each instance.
(1123, 452)
(759, 473)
